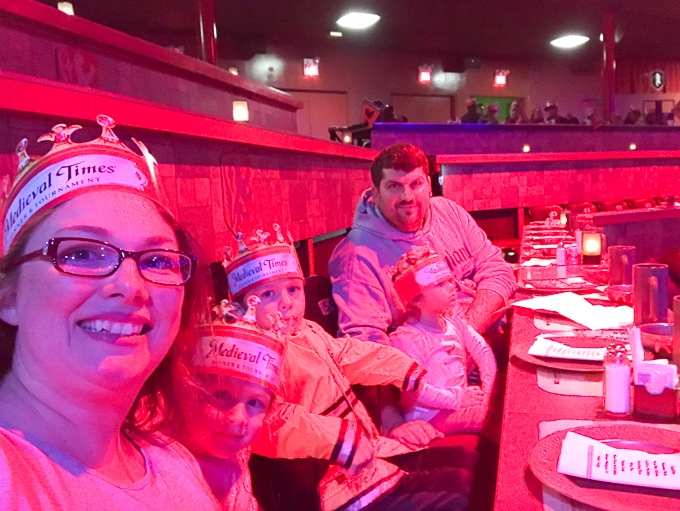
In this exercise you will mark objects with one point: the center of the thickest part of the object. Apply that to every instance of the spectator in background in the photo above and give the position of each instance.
(472, 115)
(491, 116)
(517, 114)
(591, 117)
(650, 118)
(481, 110)
(572, 119)
(552, 116)
(633, 117)
(537, 116)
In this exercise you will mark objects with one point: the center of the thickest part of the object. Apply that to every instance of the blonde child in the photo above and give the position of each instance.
(437, 336)
(225, 385)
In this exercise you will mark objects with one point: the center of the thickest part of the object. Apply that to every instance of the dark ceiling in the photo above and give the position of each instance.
(448, 29)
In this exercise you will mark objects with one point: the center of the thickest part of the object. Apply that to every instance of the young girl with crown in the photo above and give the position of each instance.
(224, 386)
(441, 340)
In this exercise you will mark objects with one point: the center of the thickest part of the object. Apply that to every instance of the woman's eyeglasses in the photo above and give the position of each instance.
(91, 258)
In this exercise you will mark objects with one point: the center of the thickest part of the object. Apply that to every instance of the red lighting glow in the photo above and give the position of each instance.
(500, 79)
(424, 74)
(310, 67)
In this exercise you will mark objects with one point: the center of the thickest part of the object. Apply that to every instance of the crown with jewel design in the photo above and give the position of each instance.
(420, 268)
(70, 168)
(263, 259)
(233, 344)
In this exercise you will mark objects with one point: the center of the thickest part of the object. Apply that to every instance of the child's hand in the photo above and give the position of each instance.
(439, 398)
(472, 397)
(415, 433)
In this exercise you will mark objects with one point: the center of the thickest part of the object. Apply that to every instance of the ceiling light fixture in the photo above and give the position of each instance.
(358, 20)
(570, 41)
(66, 8)
(336, 33)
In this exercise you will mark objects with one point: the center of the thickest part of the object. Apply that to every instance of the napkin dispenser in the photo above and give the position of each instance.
(654, 394)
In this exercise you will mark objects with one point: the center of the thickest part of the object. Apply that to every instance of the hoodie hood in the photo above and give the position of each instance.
(368, 217)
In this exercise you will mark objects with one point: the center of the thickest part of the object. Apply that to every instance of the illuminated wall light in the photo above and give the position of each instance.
(66, 7)
(310, 67)
(632, 146)
(358, 20)
(240, 111)
(526, 148)
(500, 79)
(234, 71)
(267, 68)
(425, 74)
(347, 138)
(336, 33)
(570, 41)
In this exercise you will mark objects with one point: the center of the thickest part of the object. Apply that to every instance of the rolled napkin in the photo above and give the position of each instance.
(544, 347)
(584, 457)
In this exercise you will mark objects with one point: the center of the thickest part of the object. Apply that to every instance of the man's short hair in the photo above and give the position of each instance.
(406, 157)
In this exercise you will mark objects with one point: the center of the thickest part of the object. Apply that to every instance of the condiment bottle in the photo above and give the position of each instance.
(617, 379)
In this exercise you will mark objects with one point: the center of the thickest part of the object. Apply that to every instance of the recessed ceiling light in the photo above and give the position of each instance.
(570, 41)
(358, 20)
(335, 33)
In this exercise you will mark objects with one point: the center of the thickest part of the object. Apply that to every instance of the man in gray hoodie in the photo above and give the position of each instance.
(397, 213)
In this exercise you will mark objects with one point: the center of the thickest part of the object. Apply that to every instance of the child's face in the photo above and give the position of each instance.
(285, 295)
(229, 418)
(438, 298)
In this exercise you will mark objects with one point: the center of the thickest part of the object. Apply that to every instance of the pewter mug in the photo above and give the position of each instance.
(650, 293)
(621, 261)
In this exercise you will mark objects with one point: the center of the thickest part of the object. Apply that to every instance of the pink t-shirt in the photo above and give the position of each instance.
(41, 478)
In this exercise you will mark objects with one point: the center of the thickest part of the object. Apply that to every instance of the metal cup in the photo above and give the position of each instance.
(621, 261)
(676, 331)
(650, 293)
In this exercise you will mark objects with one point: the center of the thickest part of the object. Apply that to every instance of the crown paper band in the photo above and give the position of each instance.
(262, 261)
(71, 168)
(417, 270)
(240, 349)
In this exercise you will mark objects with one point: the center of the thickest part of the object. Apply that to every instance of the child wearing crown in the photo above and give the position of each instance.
(317, 415)
(224, 386)
(438, 338)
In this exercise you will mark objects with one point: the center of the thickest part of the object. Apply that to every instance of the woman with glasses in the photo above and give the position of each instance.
(95, 286)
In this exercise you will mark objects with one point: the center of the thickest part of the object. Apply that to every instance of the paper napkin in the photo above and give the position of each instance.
(579, 310)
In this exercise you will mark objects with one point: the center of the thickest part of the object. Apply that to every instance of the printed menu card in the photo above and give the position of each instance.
(544, 347)
(582, 456)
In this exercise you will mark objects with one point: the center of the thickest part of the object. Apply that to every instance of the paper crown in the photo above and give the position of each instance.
(416, 270)
(71, 168)
(263, 260)
(234, 346)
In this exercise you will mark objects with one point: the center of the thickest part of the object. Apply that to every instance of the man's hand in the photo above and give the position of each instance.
(415, 433)
(486, 308)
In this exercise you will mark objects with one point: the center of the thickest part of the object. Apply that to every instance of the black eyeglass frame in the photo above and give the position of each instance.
(49, 251)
